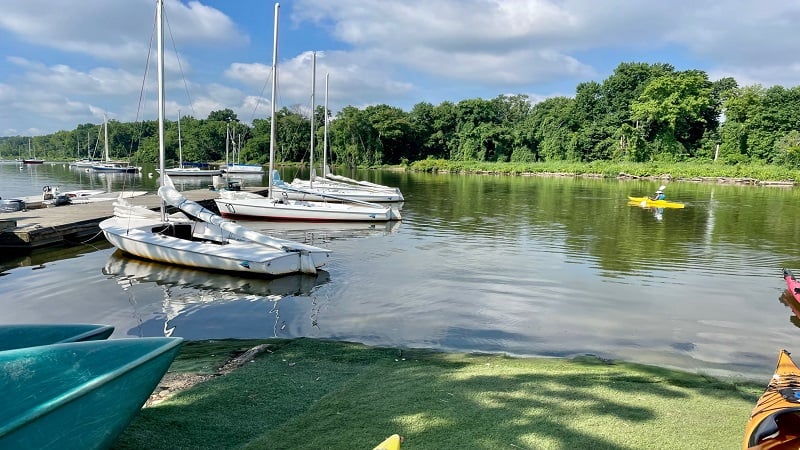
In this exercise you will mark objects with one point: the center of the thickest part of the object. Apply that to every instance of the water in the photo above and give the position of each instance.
(520, 265)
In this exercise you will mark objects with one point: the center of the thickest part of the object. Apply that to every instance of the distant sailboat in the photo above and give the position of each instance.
(234, 167)
(32, 154)
(89, 161)
(182, 170)
(109, 165)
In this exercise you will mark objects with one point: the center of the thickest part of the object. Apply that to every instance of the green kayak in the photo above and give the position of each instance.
(78, 395)
(32, 335)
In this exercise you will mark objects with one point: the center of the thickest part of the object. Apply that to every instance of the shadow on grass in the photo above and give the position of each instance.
(311, 394)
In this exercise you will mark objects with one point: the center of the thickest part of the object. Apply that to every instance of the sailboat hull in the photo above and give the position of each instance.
(247, 205)
(183, 244)
(368, 192)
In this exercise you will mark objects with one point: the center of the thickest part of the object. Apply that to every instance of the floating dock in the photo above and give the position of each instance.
(78, 223)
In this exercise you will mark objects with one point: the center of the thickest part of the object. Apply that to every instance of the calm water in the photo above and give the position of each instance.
(522, 265)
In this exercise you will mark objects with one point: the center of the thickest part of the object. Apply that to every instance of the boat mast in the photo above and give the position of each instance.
(180, 148)
(160, 34)
(105, 136)
(272, 125)
(313, 90)
(325, 139)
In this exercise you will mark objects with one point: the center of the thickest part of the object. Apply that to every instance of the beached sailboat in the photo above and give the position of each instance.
(206, 240)
(191, 171)
(110, 165)
(278, 205)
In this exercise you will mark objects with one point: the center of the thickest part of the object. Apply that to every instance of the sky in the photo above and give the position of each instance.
(69, 62)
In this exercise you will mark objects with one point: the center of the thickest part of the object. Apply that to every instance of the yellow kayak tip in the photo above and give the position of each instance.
(390, 443)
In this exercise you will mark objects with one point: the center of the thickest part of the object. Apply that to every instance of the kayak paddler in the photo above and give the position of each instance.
(659, 195)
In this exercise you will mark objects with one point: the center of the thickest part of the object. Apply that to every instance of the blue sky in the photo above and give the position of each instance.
(68, 62)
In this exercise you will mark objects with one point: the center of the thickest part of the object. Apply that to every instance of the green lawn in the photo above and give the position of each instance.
(312, 394)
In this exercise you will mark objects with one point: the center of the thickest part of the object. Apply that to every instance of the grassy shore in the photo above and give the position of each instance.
(753, 173)
(314, 394)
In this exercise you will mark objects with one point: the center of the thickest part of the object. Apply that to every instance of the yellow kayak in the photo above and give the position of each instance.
(391, 443)
(650, 203)
(775, 421)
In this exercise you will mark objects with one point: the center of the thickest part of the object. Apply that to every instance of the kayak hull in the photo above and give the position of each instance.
(650, 203)
(775, 421)
(78, 395)
(32, 335)
(792, 284)
(390, 443)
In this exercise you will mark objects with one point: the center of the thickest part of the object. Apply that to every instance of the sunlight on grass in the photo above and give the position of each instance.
(347, 396)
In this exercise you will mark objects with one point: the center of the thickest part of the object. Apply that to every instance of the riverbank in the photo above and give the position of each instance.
(311, 394)
(753, 174)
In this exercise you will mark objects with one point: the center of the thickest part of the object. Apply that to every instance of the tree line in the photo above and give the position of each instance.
(641, 112)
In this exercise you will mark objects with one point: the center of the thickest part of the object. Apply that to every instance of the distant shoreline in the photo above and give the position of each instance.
(754, 175)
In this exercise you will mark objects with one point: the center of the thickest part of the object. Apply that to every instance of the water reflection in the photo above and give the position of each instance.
(195, 300)
(788, 299)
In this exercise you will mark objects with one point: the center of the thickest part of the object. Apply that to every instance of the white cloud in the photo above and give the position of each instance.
(66, 68)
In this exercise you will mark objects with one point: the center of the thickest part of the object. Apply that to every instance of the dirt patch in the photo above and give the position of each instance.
(174, 382)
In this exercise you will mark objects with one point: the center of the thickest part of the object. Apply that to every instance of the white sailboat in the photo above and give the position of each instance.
(190, 171)
(279, 206)
(109, 165)
(88, 161)
(234, 166)
(208, 241)
(339, 185)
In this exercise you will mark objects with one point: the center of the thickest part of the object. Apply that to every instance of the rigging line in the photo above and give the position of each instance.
(141, 91)
(261, 94)
(180, 67)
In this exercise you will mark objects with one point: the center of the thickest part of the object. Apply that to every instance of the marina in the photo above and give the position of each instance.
(517, 265)
(78, 223)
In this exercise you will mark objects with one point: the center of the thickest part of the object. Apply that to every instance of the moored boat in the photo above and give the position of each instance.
(650, 203)
(775, 421)
(78, 395)
(33, 335)
(204, 240)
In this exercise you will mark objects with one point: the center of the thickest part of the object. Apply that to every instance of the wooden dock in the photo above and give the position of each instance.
(77, 224)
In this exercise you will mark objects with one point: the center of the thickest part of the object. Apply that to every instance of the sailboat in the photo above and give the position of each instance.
(277, 205)
(205, 241)
(339, 185)
(234, 166)
(32, 159)
(109, 165)
(182, 170)
(88, 161)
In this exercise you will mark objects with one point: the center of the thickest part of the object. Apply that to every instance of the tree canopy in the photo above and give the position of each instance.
(641, 112)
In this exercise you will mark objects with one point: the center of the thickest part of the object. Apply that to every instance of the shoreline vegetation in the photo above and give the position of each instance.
(749, 174)
(312, 394)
